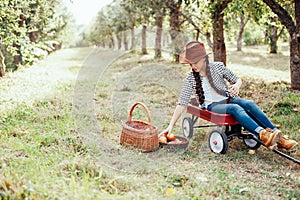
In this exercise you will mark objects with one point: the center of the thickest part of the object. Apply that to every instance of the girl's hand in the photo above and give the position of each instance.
(164, 132)
(234, 90)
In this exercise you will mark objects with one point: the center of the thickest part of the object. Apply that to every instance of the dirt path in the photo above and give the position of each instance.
(40, 80)
(268, 75)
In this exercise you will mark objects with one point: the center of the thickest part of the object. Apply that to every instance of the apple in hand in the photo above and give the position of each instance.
(171, 137)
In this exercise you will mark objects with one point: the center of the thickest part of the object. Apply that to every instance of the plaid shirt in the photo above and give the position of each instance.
(217, 75)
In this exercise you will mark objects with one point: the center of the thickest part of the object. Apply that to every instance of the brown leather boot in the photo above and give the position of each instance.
(286, 143)
(269, 138)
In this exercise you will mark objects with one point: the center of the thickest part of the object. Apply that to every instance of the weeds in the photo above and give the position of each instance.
(39, 148)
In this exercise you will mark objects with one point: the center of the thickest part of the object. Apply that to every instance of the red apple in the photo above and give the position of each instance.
(163, 139)
(171, 137)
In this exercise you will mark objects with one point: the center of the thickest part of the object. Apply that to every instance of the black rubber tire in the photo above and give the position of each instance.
(218, 142)
(251, 143)
(187, 127)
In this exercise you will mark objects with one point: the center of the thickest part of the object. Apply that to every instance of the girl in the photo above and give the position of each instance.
(208, 81)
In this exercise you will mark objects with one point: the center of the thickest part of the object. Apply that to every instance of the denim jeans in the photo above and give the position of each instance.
(246, 112)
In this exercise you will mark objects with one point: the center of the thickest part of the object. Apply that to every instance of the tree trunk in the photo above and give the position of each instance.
(208, 39)
(102, 44)
(2, 64)
(18, 55)
(218, 30)
(295, 60)
(159, 24)
(119, 39)
(273, 36)
(132, 38)
(144, 40)
(175, 27)
(240, 34)
(218, 37)
(294, 31)
(111, 43)
(125, 42)
(32, 36)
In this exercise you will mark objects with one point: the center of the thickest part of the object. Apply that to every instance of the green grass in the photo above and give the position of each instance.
(44, 157)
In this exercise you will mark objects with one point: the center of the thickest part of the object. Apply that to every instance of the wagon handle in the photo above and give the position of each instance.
(279, 152)
(287, 156)
(144, 106)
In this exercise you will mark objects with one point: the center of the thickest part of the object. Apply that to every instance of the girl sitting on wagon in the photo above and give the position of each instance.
(208, 80)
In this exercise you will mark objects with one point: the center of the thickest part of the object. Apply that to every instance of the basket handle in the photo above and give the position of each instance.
(144, 106)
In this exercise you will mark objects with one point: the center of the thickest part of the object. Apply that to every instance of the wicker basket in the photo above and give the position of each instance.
(140, 134)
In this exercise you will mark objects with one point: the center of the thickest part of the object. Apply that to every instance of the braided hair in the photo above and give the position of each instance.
(209, 78)
(199, 88)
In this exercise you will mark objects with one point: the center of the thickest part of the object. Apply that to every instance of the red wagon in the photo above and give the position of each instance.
(228, 128)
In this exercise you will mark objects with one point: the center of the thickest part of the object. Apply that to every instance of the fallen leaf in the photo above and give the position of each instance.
(251, 152)
(170, 191)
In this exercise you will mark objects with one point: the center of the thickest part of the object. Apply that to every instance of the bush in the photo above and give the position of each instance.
(253, 35)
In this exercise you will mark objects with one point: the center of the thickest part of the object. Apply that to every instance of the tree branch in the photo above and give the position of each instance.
(191, 22)
(283, 15)
(281, 31)
(207, 35)
(224, 5)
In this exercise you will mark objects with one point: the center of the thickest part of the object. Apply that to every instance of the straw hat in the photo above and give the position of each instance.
(194, 51)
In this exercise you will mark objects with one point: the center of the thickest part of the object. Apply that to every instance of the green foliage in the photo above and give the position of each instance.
(253, 35)
(27, 27)
(122, 16)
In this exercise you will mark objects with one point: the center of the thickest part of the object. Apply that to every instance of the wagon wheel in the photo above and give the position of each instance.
(251, 143)
(218, 142)
(187, 127)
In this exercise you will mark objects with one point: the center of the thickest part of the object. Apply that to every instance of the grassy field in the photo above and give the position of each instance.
(43, 156)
